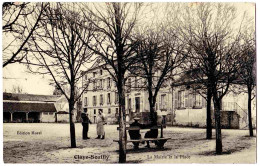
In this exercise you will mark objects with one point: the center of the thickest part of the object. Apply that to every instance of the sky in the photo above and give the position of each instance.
(16, 74)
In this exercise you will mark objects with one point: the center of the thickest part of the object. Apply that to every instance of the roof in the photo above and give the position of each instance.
(98, 64)
(28, 107)
(190, 78)
(30, 97)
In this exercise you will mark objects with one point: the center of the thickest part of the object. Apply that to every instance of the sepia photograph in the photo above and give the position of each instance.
(129, 82)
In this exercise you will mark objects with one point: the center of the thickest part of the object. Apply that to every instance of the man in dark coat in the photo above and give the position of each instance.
(135, 134)
(153, 133)
(85, 124)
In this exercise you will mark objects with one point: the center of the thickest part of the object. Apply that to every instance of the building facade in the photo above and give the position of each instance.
(180, 106)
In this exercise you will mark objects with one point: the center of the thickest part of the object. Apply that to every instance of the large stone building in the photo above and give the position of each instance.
(179, 105)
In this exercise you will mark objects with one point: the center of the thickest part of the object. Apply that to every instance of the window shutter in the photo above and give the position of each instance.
(141, 104)
(190, 98)
(111, 97)
(204, 101)
(186, 98)
(159, 105)
(166, 101)
(176, 100)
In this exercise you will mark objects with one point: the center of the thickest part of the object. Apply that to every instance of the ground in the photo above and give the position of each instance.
(188, 145)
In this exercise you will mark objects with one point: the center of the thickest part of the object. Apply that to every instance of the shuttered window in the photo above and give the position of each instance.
(186, 98)
(108, 98)
(181, 99)
(176, 100)
(101, 100)
(86, 101)
(197, 100)
(204, 102)
(163, 101)
(94, 100)
(116, 98)
(190, 98)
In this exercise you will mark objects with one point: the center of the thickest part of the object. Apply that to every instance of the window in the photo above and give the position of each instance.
(94, 111)
(101, 99)
(108, 99)
(136, 82)
(101, 72)
(116, 98)
(197, 100)
(94, 100)
(100, 84)
(116, 110)
(129, 83)
(45, 113)
(94, 84)
(86, 101)
(163, 101)
(181, 98)
(137, 104)
(94, 74)
(129, 104)
(108, 83)
(50, 113)
(109, 111)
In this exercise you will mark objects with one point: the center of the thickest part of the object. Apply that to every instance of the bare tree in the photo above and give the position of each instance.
(57, 50)
(158, 58)
(18, 27)
(210, 32)
(248, 71)
(113, 24)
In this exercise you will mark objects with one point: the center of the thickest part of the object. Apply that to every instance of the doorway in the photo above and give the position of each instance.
(137, 104)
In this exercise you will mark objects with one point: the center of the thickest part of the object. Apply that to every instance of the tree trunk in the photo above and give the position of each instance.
(151, 105)
(249, 112)
(153, 115)
(72, 126)
(209, 120)
(122, 124)
(218, 125)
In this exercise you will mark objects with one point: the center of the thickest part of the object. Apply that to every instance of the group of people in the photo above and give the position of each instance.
(101, 121)
(135, 134)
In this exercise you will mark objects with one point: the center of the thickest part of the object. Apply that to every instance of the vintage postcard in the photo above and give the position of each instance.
(129, 82)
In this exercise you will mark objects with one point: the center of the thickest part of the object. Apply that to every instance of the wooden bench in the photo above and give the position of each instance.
(159, 142)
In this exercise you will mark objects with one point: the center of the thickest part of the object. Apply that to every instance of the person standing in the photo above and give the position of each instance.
(100, 125)
(85, 124)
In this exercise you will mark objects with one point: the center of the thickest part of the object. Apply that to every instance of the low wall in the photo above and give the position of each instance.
(198, 117)
(190, 117)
